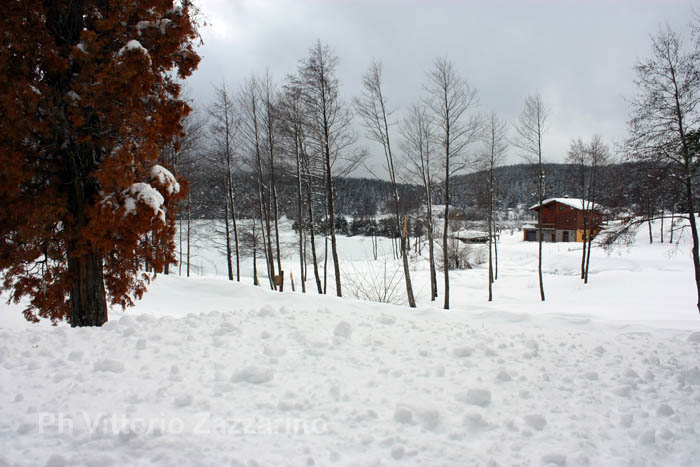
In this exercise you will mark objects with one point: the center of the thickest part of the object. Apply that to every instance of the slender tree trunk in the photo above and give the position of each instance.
(673, 222)
(540, 193)
(236, 244)
(276, 215)
(189, 225)
(312, 233)
(331, 214)
(179, 221)
(495, 251)
(490, 221)
(406, 271)
(375, 245)
(229, 258)
(693, 230)
(445, 255)
(585, 240)
(232, 201)
(300, 215)
(651, 236)
(431, 250)
(663, 213)
(594, 168)
(325, 252)
(255, 257)
(264, 211)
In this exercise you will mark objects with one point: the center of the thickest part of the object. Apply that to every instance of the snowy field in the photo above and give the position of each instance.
(207, 372)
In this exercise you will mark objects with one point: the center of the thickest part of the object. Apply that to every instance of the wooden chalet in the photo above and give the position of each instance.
(562, 220)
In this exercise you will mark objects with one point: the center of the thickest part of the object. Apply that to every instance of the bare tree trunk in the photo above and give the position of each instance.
(375, 245)
(673, 222)
(445, 255)
(530, 129)
(255, 257)
(300, 213)
(235, 240)
(490, 221)
(694, 233)
(663, 213)
(495, 251)
(406, 271)
(189, 225)
(331, 214)
(232, 200)
(314, 258)
(325, 251)
(229, 259)
(179, 263)
(540, 195)
(277, 230)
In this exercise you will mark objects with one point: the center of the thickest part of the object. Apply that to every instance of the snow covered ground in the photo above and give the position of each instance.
(207, 372)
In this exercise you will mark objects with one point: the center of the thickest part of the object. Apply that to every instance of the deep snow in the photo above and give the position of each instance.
(208, 372)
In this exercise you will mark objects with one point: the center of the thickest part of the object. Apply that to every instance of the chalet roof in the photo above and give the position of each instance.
(576, 203)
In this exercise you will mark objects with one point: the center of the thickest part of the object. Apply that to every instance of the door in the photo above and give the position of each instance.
(565, 237)
(554, 237)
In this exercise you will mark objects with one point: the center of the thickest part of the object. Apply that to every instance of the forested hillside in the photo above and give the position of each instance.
(624, 186)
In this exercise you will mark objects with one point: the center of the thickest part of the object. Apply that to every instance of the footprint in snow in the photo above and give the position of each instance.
(480, 397)
(535, 421)
(253, 375)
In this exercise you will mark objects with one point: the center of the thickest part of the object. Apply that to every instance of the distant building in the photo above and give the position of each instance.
(562, 220)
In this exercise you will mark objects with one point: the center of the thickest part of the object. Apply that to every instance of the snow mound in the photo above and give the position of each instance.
(253, 375)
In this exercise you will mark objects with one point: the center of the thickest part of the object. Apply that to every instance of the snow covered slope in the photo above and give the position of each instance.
(205, 372)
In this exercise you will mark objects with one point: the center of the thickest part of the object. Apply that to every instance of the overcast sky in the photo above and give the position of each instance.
(577, 54)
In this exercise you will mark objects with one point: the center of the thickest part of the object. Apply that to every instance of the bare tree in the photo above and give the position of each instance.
(270, 122)
(529, 131)
(293, 129)
(664, 128)
(578, 156)
(372, 106)
(492, 156)
(329, 122)
(417, 130)
(182, 155)
(224, 128)
(598, 156)
(450, 98)
(252, 140)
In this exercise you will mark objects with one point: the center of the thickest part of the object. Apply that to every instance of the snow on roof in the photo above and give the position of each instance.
(576, 203)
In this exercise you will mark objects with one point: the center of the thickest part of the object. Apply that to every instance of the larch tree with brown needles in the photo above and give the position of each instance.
(90, 95)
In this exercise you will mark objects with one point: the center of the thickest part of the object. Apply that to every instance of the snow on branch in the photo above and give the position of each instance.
(165, 178)
(146, 194)
(134, 45)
